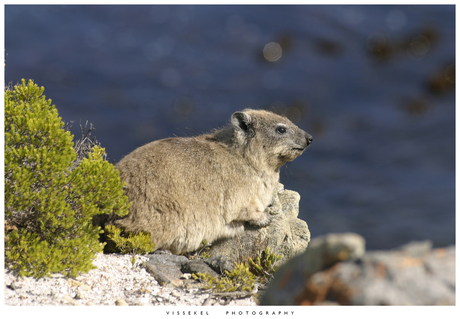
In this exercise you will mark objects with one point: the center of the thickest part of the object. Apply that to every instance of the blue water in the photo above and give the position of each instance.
(382, 162)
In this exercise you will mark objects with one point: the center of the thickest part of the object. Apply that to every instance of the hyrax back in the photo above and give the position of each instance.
(186, 190)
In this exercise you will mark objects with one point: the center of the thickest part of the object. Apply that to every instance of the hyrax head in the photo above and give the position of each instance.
(272, 137)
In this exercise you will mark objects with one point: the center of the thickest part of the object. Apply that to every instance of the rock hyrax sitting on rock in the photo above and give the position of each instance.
(188, 189)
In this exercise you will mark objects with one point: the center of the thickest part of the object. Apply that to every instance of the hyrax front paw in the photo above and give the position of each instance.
(261, 222)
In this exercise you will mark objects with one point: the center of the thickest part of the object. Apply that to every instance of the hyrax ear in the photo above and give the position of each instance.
(242, 122)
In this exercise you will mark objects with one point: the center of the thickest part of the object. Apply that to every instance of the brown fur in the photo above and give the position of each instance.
(188, 189)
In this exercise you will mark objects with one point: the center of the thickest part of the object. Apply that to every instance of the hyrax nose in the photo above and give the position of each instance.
(309, 138)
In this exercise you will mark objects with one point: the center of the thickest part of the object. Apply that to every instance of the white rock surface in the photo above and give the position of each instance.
(115, 282)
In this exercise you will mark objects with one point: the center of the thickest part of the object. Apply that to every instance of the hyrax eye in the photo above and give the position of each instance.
(281, 130)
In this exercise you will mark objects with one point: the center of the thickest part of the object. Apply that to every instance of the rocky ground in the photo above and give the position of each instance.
(116, 281)
(336, 269)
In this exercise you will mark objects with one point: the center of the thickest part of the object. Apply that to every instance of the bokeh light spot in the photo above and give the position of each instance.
(420, 45)
(272, 52)
(449, 73)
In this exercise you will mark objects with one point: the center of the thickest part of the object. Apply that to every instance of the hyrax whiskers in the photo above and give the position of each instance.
(188, 189)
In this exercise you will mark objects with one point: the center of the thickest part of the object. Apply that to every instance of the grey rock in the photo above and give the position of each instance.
(169, 269)
(197, 266)
(286, 235)
(166, 269)
(413, 274)
(168, 259)
(164, 274)
(322, 252)
(417, 248)
(220, 264)
(325, 251)
(397, 278)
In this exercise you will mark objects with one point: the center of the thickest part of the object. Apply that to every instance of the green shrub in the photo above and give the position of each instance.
(244, 275)
(265, 265)
(240, 278)
(50, 203)
(129, 243)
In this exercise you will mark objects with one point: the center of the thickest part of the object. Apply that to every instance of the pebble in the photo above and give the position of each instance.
(121, 302)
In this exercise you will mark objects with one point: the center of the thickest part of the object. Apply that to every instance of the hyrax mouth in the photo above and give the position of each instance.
(302, 146)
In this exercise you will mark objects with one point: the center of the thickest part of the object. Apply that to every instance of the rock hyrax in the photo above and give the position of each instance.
(188, 189)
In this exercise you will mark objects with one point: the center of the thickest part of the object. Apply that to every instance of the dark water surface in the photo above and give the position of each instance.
(374, 85)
